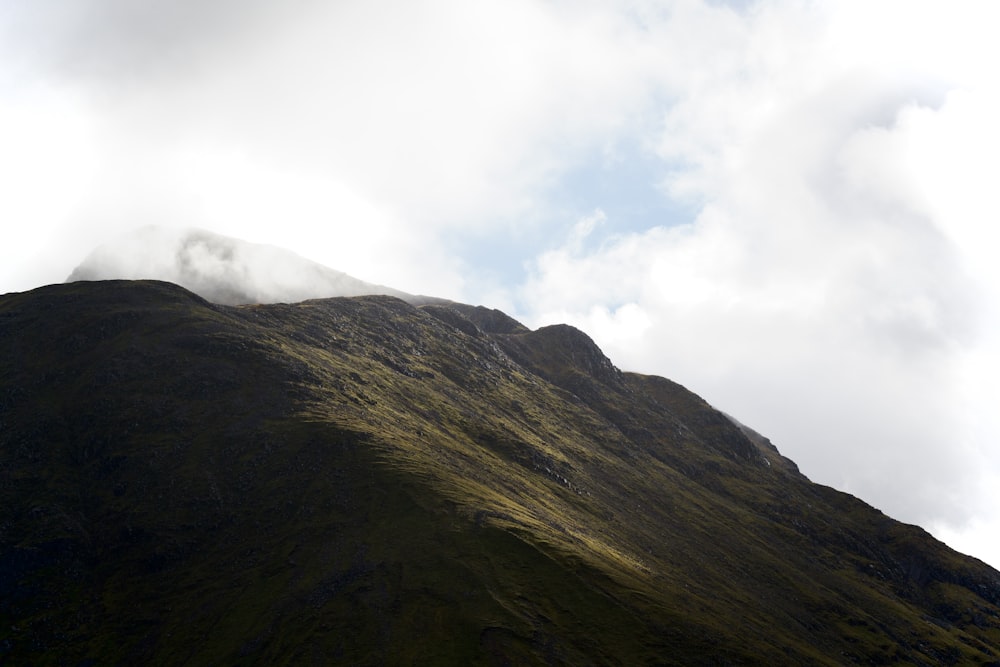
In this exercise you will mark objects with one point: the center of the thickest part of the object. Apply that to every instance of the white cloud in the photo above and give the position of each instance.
(445, 109)
(48, 163)
(380, 126)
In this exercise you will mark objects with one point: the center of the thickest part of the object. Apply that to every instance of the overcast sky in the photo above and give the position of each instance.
(787, 206)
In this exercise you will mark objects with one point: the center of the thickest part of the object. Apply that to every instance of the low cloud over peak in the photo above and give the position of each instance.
(221, 269)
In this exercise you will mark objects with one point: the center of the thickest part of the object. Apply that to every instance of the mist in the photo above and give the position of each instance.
(218, 268)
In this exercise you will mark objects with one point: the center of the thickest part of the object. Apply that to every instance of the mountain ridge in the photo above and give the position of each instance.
(360, 479)
(222, 269)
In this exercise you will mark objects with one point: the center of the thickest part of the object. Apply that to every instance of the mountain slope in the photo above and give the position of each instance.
(363, 481)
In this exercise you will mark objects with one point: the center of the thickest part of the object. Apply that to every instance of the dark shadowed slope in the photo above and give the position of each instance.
(362, 481)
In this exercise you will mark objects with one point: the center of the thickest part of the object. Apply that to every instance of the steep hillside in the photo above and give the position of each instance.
(364, 481)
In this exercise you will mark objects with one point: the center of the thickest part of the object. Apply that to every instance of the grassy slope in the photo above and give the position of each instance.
(361, 481)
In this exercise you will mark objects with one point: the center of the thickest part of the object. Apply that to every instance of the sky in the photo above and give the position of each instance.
(788, 206)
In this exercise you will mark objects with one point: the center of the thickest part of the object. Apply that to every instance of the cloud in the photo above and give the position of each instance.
(378, 124)
(376, 94)
(219, 268)
(47, 167)
(120, 43)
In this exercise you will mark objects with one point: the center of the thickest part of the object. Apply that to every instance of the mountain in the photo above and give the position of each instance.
(220, 268)
(365, 481)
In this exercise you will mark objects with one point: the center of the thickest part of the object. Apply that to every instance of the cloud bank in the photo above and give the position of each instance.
(219, 268)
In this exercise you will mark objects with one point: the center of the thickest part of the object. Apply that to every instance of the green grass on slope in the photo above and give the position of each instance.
(358, 481)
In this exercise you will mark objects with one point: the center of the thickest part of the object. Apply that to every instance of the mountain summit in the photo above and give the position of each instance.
(366, 481)
(220, 268)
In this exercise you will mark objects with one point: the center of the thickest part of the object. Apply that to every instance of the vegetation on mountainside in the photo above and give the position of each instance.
(367, 482)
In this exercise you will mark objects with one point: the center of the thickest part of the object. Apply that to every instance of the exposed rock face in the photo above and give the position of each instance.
(366, 481)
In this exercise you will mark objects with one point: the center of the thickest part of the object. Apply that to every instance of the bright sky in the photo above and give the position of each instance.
(787, 206)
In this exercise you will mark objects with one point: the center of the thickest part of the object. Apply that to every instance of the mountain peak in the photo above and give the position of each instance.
(565, 356)
(219, 268)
